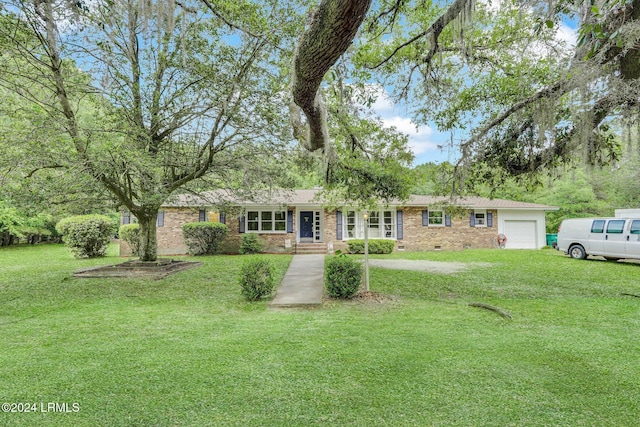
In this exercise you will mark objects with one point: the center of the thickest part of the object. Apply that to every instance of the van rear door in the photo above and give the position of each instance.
(633, 239)
(615, 238)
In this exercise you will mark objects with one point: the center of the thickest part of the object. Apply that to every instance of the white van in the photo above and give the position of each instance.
(612, 238)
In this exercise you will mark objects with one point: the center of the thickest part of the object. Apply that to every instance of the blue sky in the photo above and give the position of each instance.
(426, 142)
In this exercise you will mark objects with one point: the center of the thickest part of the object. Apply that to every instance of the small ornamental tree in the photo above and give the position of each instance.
(204, 238)
(86, 235)
(251, 244)
(343, 276)
(130, 233)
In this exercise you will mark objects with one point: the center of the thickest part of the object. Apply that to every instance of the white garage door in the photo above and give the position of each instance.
(520, 234)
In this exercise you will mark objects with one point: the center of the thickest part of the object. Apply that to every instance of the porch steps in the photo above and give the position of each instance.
(311, 248)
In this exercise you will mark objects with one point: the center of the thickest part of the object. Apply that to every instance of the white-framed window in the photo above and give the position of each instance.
(389, 224)
(480, 217)
(382, 225)
(351, 231)
(267, 221)
(374, 225)
(436, 218)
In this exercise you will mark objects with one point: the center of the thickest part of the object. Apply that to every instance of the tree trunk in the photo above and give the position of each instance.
(329, 35)
(148, 239)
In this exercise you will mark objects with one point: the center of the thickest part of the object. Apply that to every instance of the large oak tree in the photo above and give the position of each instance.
(151, 96)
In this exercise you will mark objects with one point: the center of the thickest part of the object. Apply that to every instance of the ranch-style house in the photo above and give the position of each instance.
(295, 221)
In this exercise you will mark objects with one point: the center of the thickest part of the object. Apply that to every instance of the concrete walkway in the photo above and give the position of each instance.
(302, 284)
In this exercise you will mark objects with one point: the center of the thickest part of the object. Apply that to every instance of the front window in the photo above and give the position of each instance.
(280, 221)
(382, 224)
(635, 226)
(267, 221)
(436, 218)
(481, 218)
(351, 225)
(374, 224)
(252, 221)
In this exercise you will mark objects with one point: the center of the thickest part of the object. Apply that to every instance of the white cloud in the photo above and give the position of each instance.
(420, 137)
(567, 35)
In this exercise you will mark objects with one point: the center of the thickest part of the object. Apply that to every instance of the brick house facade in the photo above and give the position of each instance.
(294, 222)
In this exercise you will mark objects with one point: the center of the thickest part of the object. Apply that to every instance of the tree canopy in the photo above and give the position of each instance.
(146, 97)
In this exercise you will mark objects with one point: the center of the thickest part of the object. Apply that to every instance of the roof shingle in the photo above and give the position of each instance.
(311, 197)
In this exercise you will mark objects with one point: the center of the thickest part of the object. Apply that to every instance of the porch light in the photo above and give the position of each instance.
(365, 215)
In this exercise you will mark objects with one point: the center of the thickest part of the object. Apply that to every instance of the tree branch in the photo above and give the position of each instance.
(331, 32)
(433, 31)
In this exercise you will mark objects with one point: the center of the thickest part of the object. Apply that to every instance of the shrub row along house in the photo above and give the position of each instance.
(295, 222)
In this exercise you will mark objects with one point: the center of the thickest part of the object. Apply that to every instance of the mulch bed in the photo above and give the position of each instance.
(363, 297)
(138, 269)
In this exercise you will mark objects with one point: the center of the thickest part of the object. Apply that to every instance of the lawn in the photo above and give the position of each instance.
(188, 351)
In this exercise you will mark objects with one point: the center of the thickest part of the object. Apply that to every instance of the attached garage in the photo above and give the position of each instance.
(525, 229)
(520, 234)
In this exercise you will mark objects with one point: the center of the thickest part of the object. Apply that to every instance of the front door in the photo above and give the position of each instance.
(306, 225)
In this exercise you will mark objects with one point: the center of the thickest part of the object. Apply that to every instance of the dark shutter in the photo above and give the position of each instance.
(489, 219)
(447, 220)
(289, 221)
(472, 219)
(126, 217)
(425, 218)
(399, 224)
(338, 225)
(241, 224)
(223, 218)
(202, 215)
(160, 219)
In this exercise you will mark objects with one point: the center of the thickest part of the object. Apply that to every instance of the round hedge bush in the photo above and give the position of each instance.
(256, 279)
(87, 235)
(376, 246)
(204, 238)
(343, 276)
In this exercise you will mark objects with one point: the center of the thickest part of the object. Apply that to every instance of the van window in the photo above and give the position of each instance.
(598, 226)
(615, 226)
(635, 226)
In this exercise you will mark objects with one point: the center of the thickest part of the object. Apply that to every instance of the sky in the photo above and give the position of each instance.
(426, 142)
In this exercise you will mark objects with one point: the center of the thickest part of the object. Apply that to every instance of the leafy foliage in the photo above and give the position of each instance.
(376, 246)
(204, 238)
(251, 244)
(15, 223)
(87, 235)
(256, 279)
(146, 99)
(130, 233)
(343, 276)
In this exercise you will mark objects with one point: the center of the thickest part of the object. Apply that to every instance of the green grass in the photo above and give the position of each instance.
(189, 351)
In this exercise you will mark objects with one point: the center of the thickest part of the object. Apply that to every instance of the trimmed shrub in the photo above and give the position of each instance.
(86, 235)
(204, 238)
(130, 233)
(343, 276)
(251, 244)
(256, 279)
(376, 246)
